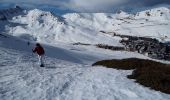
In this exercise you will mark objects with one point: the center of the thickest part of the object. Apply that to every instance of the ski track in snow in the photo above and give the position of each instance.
(22, 79)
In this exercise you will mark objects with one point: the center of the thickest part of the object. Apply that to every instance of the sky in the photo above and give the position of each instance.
(63, 6)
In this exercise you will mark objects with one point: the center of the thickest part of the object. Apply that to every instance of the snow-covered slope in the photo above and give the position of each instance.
(65, 77)
(45, 27)
(153, 23)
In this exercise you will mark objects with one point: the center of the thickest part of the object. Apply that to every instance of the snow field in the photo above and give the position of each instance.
(22, 78)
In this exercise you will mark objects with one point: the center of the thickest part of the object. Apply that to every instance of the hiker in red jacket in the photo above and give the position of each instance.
(40, 51)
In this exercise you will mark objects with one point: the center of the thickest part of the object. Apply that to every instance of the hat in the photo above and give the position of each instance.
(37, 44)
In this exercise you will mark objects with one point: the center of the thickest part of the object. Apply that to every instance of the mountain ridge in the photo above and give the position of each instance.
(43, 26)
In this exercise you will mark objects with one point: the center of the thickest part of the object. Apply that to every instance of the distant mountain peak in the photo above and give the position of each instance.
(11, 12)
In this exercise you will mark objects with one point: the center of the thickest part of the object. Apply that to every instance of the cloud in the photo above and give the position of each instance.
(93, 5)
(86, 5)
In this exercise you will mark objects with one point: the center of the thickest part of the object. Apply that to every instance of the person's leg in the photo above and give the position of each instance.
(41, 60)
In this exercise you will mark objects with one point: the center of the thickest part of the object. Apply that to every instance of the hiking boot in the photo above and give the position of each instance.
(41, 65)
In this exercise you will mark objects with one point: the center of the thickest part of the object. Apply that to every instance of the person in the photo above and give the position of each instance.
(40, 51)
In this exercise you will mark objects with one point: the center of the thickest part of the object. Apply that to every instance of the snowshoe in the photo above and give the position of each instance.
(41, 65)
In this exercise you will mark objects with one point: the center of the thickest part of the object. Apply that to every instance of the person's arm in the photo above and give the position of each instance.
(34, 50)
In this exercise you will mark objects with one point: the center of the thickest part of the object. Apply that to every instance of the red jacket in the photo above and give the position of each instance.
(39, 50)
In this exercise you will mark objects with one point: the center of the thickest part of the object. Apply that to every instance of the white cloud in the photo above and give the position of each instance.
(93, 5)
(86, 5)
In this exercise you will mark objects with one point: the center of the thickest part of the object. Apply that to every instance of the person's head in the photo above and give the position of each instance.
(37, 44)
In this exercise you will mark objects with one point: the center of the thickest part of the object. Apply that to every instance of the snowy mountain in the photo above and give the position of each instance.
(11, 12)
(85, 27)
(68, 74)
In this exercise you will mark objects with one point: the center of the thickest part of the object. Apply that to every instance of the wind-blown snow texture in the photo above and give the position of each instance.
(68, 74)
